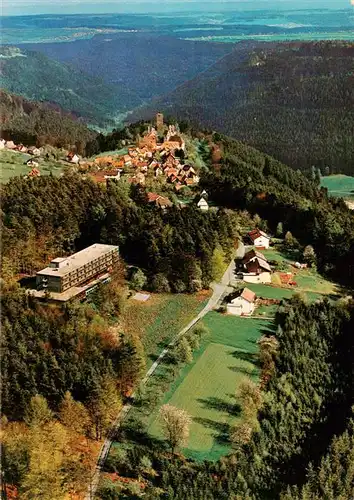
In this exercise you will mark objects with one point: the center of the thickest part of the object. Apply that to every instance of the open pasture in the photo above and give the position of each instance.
(13, 164)
(206, 388)
(160, 318)
(339, 185)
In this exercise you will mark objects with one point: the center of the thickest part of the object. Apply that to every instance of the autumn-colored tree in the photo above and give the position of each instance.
(217, 264)
(73, 414)
(241, 434)
(268, 347)
(38, 412)
(250, 398)
(184, 351)
(44, 479)
(175, 424)
(309, 255)
(104, 407)
(14, 457)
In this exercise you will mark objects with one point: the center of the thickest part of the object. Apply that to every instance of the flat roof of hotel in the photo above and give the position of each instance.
(77, 260)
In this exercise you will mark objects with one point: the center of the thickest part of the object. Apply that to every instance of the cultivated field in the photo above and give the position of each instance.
(339, 185)
(159, 319)
(206, 387)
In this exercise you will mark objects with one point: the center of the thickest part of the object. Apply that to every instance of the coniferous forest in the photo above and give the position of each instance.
(293, 101)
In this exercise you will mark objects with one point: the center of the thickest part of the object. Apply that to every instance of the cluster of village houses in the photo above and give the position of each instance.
(20, 148)
(147, 158)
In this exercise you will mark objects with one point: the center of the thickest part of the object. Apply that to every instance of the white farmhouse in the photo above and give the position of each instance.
(203, 205)
(259, 238)
(243, 303)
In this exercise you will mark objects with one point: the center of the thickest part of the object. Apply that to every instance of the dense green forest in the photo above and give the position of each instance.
(249, 180)
(302, 444)
(293, 101)
(175, 246)
(147, 64)
(32, 123)
(39, 78)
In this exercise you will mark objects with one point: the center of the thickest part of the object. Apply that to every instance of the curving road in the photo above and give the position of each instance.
(219, 289)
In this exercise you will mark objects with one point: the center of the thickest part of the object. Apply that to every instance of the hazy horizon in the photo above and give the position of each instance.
(40, 7)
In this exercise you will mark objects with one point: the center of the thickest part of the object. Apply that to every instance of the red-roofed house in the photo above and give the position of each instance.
(242, 303)
(34, 173)
(159, 201)
(259, 238)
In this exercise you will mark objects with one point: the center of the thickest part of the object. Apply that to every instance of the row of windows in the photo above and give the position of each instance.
(82, 275)
(87, 269)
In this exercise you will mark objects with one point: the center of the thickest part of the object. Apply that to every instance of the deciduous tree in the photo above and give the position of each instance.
(38, 412)
(175, 423)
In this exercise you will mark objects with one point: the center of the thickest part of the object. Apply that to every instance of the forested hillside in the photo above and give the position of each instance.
(293, 101)
(32, 123)
(251, 180)
(37, 77)
(148, 65)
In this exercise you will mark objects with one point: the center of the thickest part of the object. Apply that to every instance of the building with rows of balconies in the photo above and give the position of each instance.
(78, 269)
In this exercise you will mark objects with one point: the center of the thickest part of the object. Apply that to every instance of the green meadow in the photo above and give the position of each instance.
(206, 388)
(339, 185)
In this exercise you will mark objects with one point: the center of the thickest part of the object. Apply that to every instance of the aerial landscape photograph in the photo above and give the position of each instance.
(177, 250)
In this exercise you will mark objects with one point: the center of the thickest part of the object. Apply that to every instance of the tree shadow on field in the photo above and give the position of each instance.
(219, 404)
(222, 434)
(245, 371)
(269, 330)
(247, 356)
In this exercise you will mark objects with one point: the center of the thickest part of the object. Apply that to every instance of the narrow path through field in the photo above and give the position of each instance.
(219, 289)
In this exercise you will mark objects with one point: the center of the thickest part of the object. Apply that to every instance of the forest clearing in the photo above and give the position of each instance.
(158, 320)
(339, 185)
(206, 387)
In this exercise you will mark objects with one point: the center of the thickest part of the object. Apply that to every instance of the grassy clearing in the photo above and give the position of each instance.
(159, 319)
(116, 152)
(308, 280)
(206, 387)
(339, 185)
(13, 165)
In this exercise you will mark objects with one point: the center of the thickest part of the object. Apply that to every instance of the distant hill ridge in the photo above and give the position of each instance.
(36, 77)
(36, 123)
(294, 101)
(148, 65)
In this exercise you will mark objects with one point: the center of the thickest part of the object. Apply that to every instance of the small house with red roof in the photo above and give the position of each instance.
(255, 268)
(159, 201)
(259, 238)
(72, 158)
(34, 173)
(241, 303)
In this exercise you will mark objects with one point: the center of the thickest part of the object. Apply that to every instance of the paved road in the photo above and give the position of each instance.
(219, 289)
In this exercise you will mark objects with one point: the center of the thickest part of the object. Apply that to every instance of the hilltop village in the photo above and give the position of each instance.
(148, 158)
(158, 159)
